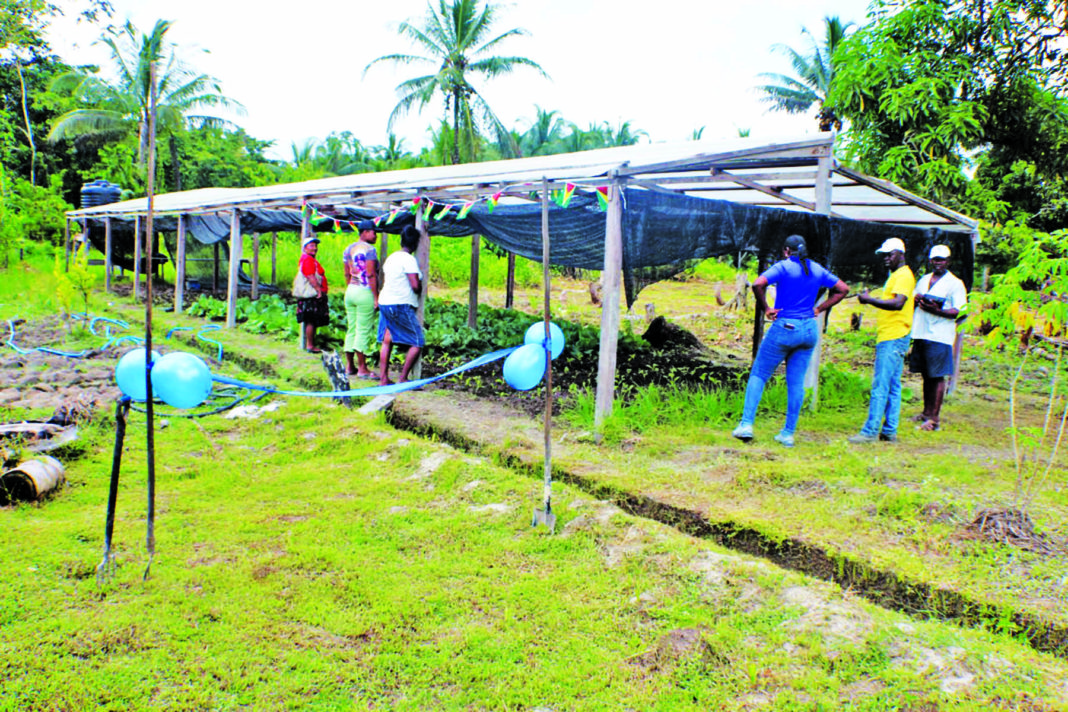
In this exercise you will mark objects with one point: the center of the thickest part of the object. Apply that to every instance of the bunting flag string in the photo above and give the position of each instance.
(602, 197)
(431, 210)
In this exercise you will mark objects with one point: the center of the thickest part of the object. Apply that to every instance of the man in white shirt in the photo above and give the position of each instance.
(939, 297)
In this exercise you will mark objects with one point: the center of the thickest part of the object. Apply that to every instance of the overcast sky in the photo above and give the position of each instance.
(667, 66)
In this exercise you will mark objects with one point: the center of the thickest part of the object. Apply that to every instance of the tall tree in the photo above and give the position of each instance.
(454, 38)
(813, 75)
(117, 109)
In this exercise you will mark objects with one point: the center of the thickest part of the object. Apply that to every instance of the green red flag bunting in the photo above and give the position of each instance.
(392, 216)
(465, 210)
(443, 212)
(602, 197)
(429, 209)
(491, 202)
(569, 190)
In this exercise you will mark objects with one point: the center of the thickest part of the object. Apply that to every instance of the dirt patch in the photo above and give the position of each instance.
(44, 381)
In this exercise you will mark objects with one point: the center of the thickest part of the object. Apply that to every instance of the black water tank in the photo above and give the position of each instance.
(100, 192)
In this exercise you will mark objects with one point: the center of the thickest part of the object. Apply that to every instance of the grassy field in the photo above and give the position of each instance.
(315, 558)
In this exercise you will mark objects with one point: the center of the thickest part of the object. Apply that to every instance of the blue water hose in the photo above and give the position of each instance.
(375, 390)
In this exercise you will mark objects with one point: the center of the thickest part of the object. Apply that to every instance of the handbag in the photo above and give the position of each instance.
(302, 287)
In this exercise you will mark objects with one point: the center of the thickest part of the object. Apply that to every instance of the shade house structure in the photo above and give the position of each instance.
(639, 214)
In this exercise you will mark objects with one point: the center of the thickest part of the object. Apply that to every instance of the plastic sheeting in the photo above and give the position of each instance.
(663, 234)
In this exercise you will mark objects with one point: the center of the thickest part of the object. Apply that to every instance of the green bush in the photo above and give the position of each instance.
(38, 213)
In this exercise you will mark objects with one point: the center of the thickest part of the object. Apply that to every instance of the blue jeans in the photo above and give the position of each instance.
(790, 340)
(884, 408)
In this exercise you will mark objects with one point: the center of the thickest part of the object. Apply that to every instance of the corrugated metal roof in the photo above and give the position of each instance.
(776, 174)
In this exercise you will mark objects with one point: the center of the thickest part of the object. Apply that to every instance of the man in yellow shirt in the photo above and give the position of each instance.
(893, 324)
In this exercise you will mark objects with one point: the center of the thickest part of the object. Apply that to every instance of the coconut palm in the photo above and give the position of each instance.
(453, 35)
(115, 110)
(814, 74)
(544, 134)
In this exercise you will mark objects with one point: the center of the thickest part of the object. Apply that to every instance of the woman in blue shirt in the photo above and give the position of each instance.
(793, 334)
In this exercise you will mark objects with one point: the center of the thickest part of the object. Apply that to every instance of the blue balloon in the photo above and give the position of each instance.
(181, 379)
(525, 366)
(536, 335)
(130, 373)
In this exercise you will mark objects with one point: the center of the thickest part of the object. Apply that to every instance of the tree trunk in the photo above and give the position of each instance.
(29, 125)
(455, 127)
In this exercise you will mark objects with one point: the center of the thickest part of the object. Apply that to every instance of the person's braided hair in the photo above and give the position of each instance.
(799, 247)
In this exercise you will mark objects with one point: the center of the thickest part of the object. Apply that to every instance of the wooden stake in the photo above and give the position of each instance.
(547, 308)
(150, 536)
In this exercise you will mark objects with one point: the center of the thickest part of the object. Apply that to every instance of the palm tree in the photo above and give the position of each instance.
(115, 110)
(453, 36)
(544, 134)
(814, 75)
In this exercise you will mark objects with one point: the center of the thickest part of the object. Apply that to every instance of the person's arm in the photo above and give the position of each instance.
(370, 268)
(895, 303)
(838, 293)
(760, 292)
(932, 307)
(415, 282)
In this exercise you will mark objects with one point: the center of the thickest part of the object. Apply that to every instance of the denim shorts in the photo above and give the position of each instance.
(402, 322)
(931, 358)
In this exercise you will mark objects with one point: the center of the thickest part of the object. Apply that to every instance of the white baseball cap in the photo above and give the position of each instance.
(308, 240)
(894, 243)
(939, 251)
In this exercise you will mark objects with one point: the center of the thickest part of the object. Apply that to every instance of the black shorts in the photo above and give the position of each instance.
(931, 359)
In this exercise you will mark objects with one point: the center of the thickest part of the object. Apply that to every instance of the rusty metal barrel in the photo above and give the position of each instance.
(31, 480)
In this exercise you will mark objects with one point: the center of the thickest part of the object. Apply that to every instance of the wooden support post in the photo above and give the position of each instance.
(383, 245)
(758, 313)
(138, 257)
(66, 247)
(610, 300)
(274, 258)
(422, 258)
(215, 270)
(509, 287)
(254, 292)
(179, 274)
(472, 287)
(305, 230)
(235, 265)
(157, 269)
(108, 247)
(823, 207)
